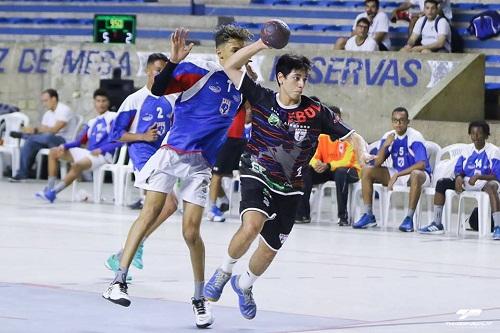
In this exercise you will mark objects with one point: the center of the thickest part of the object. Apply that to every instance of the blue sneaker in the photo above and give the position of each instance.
(365, 221)
(216, 215)
(433, 228)
(137, 261)
(47, 194)
(248, 308)
(406, 225)
(214, 287)
(496, 233)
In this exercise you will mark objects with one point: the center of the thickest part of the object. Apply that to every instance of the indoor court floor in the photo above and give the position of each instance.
(326, 278)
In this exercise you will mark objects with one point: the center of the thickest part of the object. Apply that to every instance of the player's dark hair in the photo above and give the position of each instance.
(363, 20)
(401, 109)
(101, 92)
(52, 93)
(288, 62)
(156, 56)
(377, 3)
(226, 32)
(335, 109)
(432, 1)
(482, 124)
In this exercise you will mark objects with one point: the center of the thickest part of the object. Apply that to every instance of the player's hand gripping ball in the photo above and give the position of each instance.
(275, 34)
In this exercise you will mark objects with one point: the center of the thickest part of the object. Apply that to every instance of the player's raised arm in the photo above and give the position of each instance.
(178, 52)
(233, 65)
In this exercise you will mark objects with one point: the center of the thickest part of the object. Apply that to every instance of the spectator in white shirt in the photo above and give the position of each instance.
(432, 30)
(56, 128)
(361, 41)
(379, 26)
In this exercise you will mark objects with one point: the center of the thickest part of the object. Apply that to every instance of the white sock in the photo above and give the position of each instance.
(247, 279)
(496, 219)
(228, 263)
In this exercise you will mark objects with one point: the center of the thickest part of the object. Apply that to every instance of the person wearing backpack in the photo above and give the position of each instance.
(477, 169)
(432, 33)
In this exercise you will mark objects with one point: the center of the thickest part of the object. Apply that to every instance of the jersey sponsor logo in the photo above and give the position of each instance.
(274, 120)
(302, 116)
(283, 238)
(215, 89)
(147, 117)
(300, 134)
(225, 106)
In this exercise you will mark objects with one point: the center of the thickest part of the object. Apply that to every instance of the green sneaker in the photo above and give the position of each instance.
(113, 264)
(137, 261)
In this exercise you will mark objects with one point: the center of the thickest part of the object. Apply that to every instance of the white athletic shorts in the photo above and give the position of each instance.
(79, 154)
(478, 185)
(403, 180)
(166, 166)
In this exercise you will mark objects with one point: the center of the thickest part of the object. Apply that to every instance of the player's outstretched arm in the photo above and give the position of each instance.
(359, 145)
(233, 65)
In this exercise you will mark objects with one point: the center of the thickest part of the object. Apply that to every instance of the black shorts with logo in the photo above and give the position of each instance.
(279, 208)
(228, 158)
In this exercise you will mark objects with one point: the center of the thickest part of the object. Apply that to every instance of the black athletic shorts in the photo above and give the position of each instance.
(228, 158)
(279, 208)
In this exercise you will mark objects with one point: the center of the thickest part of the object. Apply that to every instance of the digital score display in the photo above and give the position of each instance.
(118, 29)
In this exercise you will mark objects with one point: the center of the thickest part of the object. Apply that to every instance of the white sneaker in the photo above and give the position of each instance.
(202, 312)
(117, 293)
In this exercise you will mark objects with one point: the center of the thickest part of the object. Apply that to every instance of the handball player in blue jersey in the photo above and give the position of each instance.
(207, 103)
(142, 122)
(285, 130)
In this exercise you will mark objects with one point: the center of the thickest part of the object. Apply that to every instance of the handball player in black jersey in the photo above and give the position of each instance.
(285, 130)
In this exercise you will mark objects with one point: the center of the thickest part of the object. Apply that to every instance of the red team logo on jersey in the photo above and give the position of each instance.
(303, 115)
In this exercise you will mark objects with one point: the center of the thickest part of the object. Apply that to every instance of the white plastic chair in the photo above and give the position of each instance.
(118, 173)
(234, 184)
(45, 151)
(319, 197)
(484, 211)
(432, 149)
(11, 147)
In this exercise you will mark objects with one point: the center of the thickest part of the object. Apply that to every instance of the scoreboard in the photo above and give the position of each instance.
(114, 29)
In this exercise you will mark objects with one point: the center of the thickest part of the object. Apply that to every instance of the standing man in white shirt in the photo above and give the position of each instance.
(433, 32)
(56, 128)
(378, 27)
(361, 41)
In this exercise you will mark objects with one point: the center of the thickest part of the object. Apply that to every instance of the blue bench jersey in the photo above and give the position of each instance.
(406, 150)
(137, 114)
(204, 110)
(96, 134)
(479, 162)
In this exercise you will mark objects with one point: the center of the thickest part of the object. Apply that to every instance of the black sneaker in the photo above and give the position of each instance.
(16, 134)
(302, 220)
(136, 205)
(202, 312)
(343, 221)
(17, 179)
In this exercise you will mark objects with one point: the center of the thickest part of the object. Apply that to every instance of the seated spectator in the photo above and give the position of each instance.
(432, 33)
(57, 127)
(410, 167)
(378, 23)
(99, 149)
(333, 160)
(477, 169)
(361, 41)
(402, 13)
